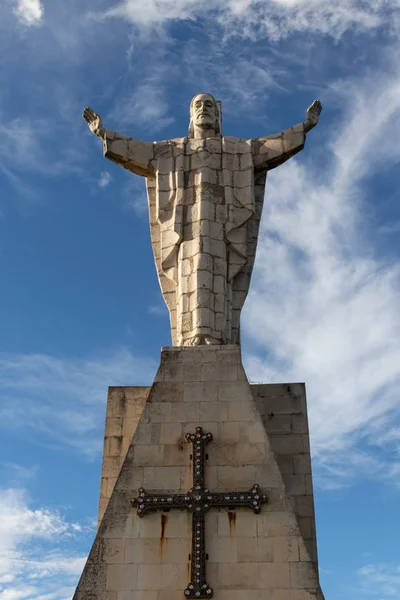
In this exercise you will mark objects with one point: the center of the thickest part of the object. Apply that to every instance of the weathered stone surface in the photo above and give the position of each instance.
(124, 408)
(250, 556)
(205, 194)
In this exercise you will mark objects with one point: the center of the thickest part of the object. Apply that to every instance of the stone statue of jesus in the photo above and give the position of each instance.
(205, 194)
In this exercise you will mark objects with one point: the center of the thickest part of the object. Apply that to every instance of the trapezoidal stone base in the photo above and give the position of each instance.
(259, 436)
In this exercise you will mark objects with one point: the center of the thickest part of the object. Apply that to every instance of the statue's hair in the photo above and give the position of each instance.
(218, 111)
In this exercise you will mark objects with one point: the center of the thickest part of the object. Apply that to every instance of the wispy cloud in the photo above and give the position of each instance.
(25, 148)
(104, 179)
(55, 398)
(324, 305)
(390, 228)
(29, 12)
(146, 105)
(274, 19)
(48, 572)
(18, 474)
(380, 581)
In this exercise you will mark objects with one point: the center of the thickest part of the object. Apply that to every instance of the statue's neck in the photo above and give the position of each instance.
(203, 133)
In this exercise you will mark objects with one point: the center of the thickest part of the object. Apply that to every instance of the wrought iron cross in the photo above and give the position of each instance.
(198, 500)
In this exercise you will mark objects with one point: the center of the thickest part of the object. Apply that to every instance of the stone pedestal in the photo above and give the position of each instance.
(260, 436)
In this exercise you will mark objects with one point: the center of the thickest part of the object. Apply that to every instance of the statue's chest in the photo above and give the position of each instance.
(204, 154)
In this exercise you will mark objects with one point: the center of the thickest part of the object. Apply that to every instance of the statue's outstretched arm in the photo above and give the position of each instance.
(132, 154)
(273, 150)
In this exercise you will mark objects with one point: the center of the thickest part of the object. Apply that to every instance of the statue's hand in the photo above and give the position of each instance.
(94, 121)
(312, 115)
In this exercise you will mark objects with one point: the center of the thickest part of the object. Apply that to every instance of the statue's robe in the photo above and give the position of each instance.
(205, 202)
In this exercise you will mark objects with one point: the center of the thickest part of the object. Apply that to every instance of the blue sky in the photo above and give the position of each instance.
(80, 307)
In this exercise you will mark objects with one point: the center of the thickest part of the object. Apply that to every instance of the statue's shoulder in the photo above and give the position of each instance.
(168, 148)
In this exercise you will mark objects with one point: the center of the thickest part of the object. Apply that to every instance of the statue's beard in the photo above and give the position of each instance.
(207, 124)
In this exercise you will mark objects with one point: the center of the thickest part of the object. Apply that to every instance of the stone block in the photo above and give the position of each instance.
(162, 478)
(213, 411)
(150, 527)
(113, 446)
(217, 372)
(305, 506)
(110, 466)
(252, 431)
(269, 473)
(309, 484)
(265, 549)
(130, 423)
(286, 463)
(176, 454)
(236, 478)
(222, 454)
(171, 433)
(283, 405)
(169, 595)
(122, 577)
(277, 524)
(237, 523)
(295, 484)
(223, 550)
(185, 412)
(113, 426)
(241, 412)
(278, 423)
(204, 391)
(274, 575)
(250, 454)
(286, 549)
(237, 391)
(103, 487)
(299, 423)
(147, 433)
(168, 392)
(143, 551)
(307, 527)
(110, 485)
(138, 595)
(113, 550)
(147, 455)
(228, 432)
(308, 551)
(303, 575)
(160, 412)
(302, 464)
(247, 550)
(287, 444)
(242, 576)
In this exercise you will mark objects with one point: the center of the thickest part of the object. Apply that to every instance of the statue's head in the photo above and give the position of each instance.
(205, 116)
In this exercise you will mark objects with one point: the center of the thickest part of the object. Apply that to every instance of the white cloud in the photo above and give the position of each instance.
(381, 581)
(104, 179)
(25, 147)
(390, 228)
(147, 105)
(63, 401)
(323, 305)
(48, 573)
(275, 19)
(29, 12)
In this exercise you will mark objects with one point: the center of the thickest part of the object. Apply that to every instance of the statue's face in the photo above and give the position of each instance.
(204, 111)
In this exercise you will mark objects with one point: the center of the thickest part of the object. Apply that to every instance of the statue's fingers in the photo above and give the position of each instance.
(91, 114)
(87, 114)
